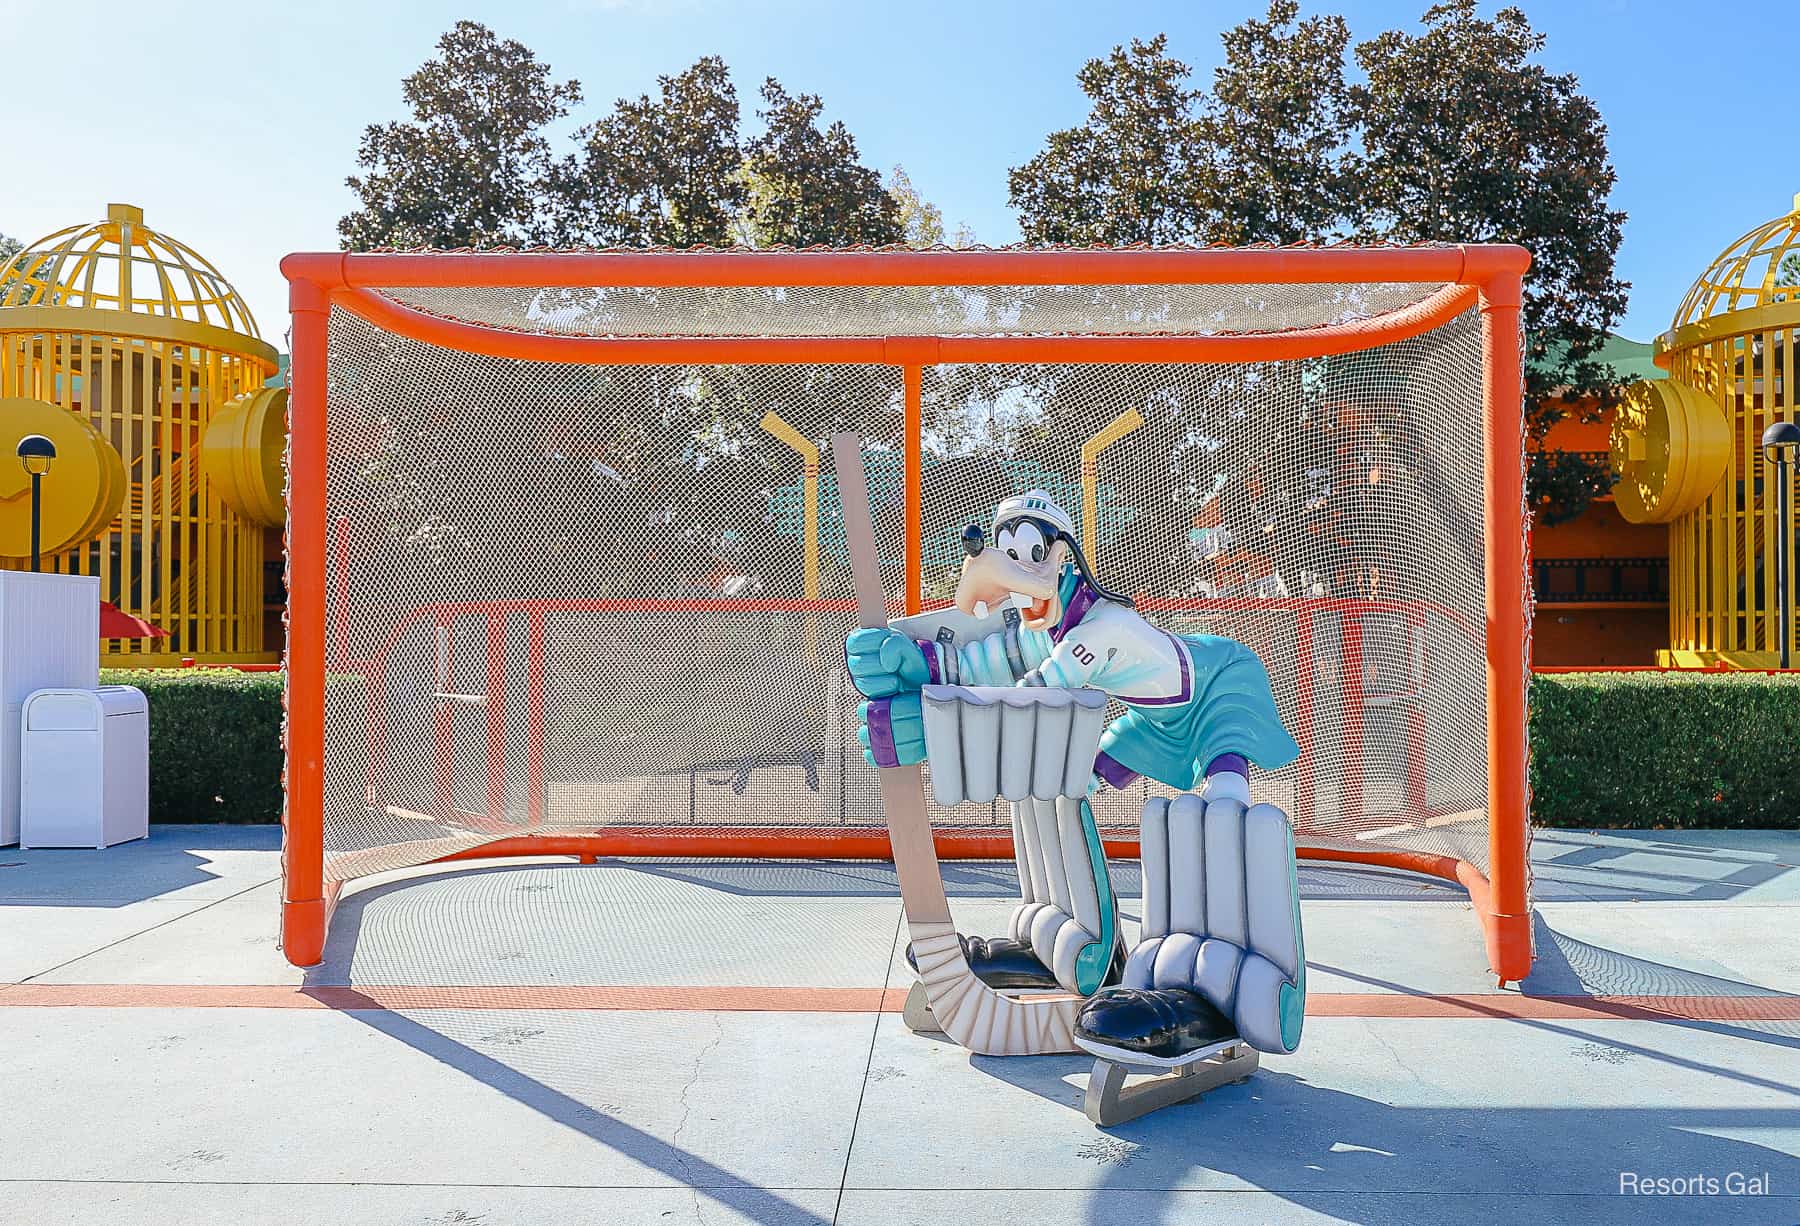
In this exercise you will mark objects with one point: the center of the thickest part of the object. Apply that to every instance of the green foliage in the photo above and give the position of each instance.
(1653, 750)
(922, 222)
(215, 743)
(805, 185)
(1455, 134)
(9, 247)
(658, 171)
(1563, 483)
(1466, 139)
(1131, 173)
(472, 166)
(1275, 129)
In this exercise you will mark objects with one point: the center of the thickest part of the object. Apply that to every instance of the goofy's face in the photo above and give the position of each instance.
(1024, 562)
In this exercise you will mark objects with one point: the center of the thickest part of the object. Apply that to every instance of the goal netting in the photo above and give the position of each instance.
(599, 594)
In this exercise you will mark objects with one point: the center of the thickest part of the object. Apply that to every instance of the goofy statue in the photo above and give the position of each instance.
(1198, 709)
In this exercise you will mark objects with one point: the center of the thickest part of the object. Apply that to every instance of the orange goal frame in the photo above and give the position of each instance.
(1486, 277)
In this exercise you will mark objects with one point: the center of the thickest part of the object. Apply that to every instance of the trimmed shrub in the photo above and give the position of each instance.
(1665, 750)
(215, 743)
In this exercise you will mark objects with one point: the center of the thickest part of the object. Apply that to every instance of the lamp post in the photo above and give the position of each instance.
(1779, 442)
(35, 453)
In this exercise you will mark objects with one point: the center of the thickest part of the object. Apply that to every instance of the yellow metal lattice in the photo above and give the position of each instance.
(1732, 342)
(147, 340)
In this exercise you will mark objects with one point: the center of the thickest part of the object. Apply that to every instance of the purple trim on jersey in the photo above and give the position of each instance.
(1233, 762)
(881, 733)
(931, 662)
(1080, 601)
(1187, 680)
(1116, 773)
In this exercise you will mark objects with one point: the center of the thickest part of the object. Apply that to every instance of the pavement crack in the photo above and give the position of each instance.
(887, 981)
(687, 1088)
(1403, 1063)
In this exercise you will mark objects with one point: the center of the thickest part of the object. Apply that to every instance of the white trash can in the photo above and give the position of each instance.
(49, 639)
(84, 767)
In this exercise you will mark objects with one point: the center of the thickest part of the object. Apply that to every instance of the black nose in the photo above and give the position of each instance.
(974, 540)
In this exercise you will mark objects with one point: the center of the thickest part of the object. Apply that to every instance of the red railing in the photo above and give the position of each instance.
(379, 671)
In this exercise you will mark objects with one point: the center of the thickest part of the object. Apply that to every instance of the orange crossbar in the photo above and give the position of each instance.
(1473, 264)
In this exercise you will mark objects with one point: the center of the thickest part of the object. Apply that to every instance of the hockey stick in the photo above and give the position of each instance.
(967, 1010)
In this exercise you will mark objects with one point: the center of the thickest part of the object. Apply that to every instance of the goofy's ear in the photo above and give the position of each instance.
(1087, 572)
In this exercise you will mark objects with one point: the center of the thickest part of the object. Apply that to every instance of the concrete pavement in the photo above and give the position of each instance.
(485, 1045)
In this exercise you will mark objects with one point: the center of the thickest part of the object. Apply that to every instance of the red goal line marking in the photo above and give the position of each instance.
(1490, 1005)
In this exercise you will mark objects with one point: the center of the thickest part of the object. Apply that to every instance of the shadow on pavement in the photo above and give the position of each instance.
(1338, 1153)
(172, 858)
(1664, 865)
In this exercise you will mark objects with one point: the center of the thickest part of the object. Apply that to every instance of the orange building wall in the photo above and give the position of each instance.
(1570, 631)
(1600, 533)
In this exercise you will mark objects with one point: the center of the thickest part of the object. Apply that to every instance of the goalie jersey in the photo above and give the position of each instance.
(1188, 698)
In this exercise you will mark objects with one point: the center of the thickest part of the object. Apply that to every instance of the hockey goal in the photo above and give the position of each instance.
(566, 575)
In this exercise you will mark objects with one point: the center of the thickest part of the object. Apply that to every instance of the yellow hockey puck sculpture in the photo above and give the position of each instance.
(1670, 446)
(241, 455)
(82, 492)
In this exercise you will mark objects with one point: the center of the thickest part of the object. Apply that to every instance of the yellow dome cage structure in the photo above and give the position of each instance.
(150, 348)
(1688, 448)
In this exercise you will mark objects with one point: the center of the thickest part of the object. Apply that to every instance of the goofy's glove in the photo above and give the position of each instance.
(884, 662)
(893, 731)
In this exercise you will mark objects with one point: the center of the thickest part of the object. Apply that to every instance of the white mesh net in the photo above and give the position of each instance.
(569, 597)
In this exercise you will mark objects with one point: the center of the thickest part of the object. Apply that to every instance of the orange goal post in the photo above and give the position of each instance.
(567, 577)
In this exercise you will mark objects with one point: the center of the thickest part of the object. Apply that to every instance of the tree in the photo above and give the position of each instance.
(1456, 135)
(922, 222)
(1133, 172)
(471, 167)
(1275, 132)
(9, 247)
(658, 172)
(805, 185)
(1466, 139)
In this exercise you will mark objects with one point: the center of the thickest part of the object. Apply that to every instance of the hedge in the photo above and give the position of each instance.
(1666, 750)
(1645, 750)
(215, 743)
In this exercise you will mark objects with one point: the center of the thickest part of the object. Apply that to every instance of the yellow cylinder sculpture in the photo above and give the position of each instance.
(135, 335)
(1670, 447)
(241, 455)
(81, 492)
(1731, 347)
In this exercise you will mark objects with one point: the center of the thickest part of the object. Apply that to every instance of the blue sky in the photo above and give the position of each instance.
(235, 132)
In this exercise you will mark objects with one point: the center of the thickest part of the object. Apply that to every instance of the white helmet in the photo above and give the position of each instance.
(1034, 504)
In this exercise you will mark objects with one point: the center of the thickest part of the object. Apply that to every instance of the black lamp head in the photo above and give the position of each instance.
(35, 453)
(974, 540)
(1779, 442)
